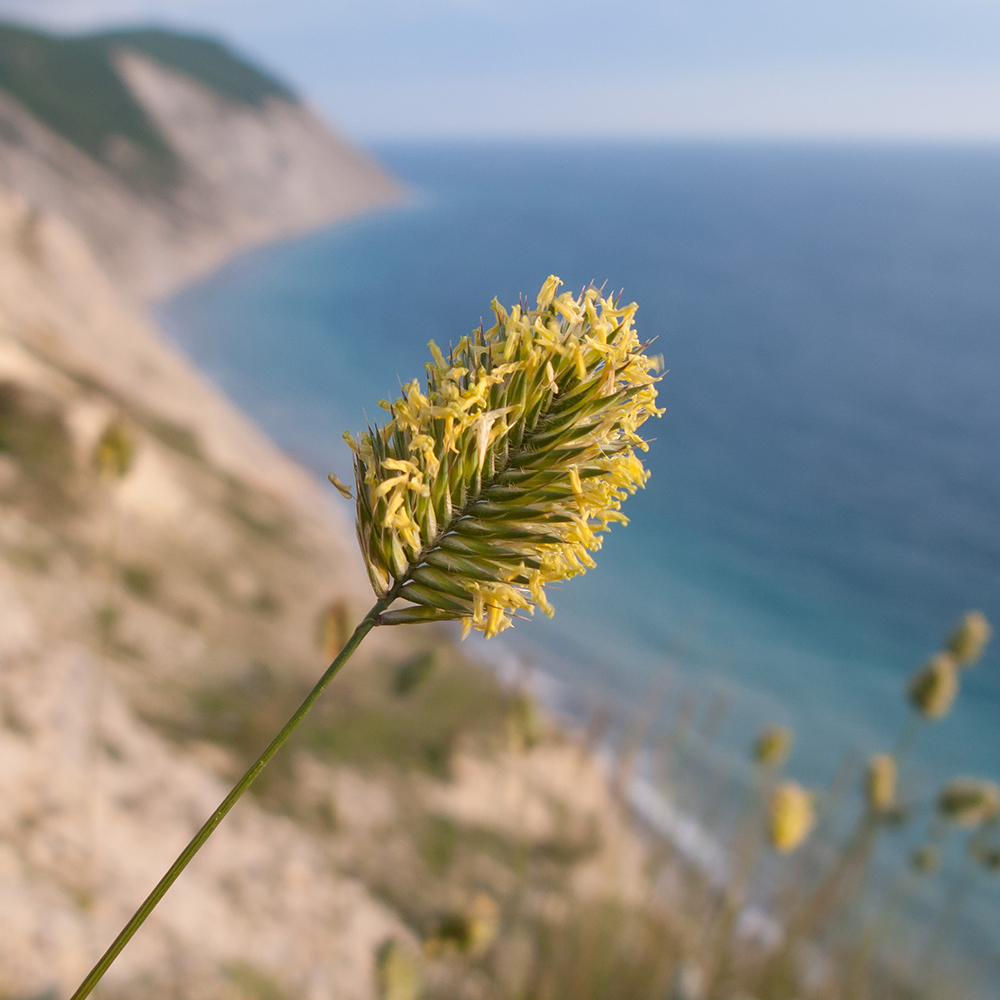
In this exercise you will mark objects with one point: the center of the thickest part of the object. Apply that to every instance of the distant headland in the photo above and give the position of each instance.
(168, 152)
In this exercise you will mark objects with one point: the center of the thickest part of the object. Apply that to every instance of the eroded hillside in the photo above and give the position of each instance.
(169, 153)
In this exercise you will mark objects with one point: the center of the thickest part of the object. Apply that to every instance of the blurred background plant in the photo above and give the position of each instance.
(795, 902)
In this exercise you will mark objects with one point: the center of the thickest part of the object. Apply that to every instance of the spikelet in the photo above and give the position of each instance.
(484, 922)
(772, 746)
(791, 817)
(969, 638)
(880, 782)
(989, 858)
(333, 627)
(114, 452)
(970, 802)
(469, 932)
(500, 477)
(934, 686)
(397, 976)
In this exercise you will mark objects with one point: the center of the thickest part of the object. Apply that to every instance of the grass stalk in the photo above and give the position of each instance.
(199, 839)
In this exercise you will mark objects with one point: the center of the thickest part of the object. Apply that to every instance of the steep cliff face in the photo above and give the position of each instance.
(199, 170)
(125, 602)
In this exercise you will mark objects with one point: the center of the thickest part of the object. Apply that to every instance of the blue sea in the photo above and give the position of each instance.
(825, 491)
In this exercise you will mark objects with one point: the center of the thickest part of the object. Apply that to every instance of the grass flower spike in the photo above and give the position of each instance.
(500, 475)
(989, 858)
(772, 746)
(792, 816)
(114, 453)
(970, 638)
(880, 782)
(970, 802)
(934, 687)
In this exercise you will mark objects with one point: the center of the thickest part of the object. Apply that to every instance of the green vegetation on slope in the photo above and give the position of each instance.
(72, 86)
(205, 60)
(34, 436)
(367, 722)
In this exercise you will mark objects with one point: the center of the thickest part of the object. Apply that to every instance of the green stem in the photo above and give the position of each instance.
(148, 905)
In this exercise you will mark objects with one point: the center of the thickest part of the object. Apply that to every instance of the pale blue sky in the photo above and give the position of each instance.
(910, 69)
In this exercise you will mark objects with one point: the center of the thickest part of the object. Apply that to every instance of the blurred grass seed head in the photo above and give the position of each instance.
(880, 782)
(396, 973)
(469, 932)
(501, 476)
(970, 802)
(333, 627)
(989, 858)
(970, 638)
(773, 746)
(114, 453)
(934, 686)
(792, 816)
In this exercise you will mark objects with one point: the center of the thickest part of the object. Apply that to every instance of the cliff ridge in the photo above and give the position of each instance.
(168, 173)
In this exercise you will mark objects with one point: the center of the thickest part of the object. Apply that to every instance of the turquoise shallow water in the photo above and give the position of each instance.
(826, 480)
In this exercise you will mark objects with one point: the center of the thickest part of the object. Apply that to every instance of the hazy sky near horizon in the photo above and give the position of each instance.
(907, 69)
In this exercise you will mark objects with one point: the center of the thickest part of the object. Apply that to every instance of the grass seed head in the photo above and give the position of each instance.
(499, 476)
(969, 638)
(773, 745)
(333, 627)
(989, 858)
(114, 452)
(880, 782)
(791, 817)
(934, 686)
(397, 975)
(484, 922)
(970, 802)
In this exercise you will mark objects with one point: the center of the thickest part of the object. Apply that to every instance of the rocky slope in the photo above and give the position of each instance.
(229, 552)
(192, 170)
